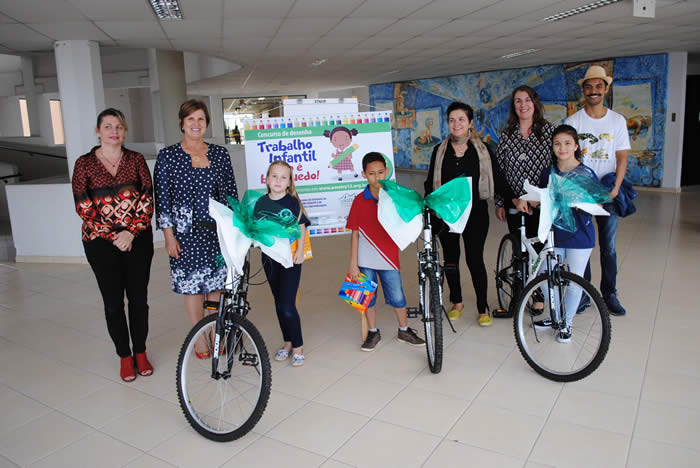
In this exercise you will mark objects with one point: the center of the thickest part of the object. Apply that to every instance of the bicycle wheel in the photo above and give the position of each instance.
(432, 321)
(539, 341)
(507, 281)
(225, 407)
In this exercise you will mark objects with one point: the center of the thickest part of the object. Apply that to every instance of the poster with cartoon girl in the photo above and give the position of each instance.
(341, 158)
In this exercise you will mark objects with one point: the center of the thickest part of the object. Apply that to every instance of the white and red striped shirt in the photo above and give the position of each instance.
(376, 249)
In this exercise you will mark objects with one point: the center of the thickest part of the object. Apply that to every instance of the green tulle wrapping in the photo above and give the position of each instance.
(263, 231)
(408, 202)
(450, 200)
(566, 190)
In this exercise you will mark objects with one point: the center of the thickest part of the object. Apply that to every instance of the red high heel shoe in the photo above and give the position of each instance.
(145, 367)
(127, 371)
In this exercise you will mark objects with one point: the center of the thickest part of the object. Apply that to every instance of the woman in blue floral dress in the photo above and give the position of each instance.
(187, 174)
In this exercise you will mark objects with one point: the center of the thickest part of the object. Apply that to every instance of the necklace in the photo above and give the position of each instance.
(196, 158)
(104, 158)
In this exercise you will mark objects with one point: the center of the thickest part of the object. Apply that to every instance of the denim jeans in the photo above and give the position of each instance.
(391, 286)
(607, 235)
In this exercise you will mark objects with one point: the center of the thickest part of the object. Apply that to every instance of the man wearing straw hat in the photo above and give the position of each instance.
(604, 143)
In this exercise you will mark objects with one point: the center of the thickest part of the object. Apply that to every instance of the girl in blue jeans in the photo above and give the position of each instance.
(284, 282)
(573, 247)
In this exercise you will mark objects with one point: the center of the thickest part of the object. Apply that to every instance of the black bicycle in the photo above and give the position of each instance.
(224, 391)
(430, 274)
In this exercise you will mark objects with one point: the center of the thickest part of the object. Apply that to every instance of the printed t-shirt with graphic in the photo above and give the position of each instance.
(599, 139)
(286, 206)
(376, 249)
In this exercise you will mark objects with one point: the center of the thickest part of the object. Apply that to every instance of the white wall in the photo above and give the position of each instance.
(36, 209)
(362, 94)
(8, 82)
(673, 142)
(10, 117)
(46, 126)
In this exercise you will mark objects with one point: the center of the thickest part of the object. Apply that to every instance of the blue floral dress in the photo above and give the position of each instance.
(182, 203)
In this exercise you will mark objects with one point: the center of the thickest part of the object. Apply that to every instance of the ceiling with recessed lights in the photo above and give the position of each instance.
(289, 46)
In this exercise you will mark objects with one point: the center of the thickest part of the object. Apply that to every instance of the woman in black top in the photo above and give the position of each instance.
(524, 151)
(463, 154)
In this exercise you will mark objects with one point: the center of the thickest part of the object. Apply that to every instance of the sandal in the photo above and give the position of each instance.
(145, 367)
(204, 355)
(127, 371)
(298, 360)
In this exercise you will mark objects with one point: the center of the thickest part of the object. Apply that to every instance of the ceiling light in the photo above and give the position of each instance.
(578, 10)
(261, 99)
(167, 9)
(519, 53)
(318, 62)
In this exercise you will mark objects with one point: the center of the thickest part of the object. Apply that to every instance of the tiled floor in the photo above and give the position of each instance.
(62, 403)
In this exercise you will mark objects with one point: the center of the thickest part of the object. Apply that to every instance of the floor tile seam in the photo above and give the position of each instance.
(495, 452)
(544, 424)
(592, 428)
(471, 402)
(107, 422)
(57, 449)
(260, 436)
(3, 457)
(139, 454)
(672, 405)
(392, 424)
(150, 455)
(669, 444)
(673, 373)
(304, 405)
(673, 227)
(268, 436)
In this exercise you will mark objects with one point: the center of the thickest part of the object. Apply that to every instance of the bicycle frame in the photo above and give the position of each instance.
(233, 299)
(428, 264)
(534, 261)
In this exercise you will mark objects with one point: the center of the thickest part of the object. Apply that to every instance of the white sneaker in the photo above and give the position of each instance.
(564, 335)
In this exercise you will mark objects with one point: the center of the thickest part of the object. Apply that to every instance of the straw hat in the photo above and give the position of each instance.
(596, 71)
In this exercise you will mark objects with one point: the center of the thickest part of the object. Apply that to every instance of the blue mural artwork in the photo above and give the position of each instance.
(639, 92)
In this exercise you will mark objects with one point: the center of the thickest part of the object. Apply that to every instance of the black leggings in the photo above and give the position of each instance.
(117, 272)
(284, 283)
(474, 236)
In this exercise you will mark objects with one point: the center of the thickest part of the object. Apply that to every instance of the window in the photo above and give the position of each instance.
(57, 122)
(238, 109)
(24, 113)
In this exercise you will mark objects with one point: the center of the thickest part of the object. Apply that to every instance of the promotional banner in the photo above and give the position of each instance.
(326, 154)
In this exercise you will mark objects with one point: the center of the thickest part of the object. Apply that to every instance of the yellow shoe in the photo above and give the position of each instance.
(455, 313)
(485, 320)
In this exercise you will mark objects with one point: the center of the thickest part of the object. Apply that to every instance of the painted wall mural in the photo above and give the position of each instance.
(639, 92)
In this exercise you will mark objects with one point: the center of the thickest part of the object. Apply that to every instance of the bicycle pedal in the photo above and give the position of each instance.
(413, 312)
(501, 313)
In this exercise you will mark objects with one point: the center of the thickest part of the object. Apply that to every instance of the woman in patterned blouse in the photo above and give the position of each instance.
(524, 151)
(187, 175)
(113, 195)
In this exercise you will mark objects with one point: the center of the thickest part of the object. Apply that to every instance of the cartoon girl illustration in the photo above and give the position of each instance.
(341, 137)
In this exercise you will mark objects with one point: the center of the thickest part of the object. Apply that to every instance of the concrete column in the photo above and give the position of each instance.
(170, 70)
(30, 95)
(673, 142)
(155, 97)
(216, 113)
(82, 94)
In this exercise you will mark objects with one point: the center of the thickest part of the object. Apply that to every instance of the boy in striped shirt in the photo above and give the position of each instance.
(374, 253)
